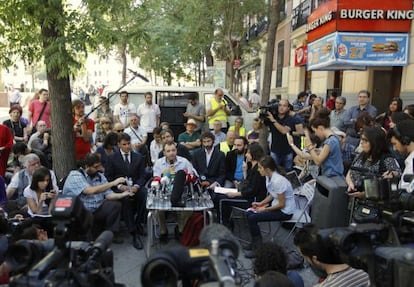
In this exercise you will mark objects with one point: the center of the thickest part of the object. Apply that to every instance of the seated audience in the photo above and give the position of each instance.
(238, 127)
(219, 136)
(190, 138)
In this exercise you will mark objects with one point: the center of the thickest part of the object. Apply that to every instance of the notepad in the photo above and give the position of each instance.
(224, 190)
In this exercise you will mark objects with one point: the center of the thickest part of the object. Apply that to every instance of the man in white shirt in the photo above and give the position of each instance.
(254, 100)
(149, 113)
(402, 139)
(137, 133)
(123, 111)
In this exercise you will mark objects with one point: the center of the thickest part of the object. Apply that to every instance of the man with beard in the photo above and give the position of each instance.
(123, 111)
(281, 124)
(402, 138)
(234, 162)
(92, 187)
(167, 136)
(209, 162)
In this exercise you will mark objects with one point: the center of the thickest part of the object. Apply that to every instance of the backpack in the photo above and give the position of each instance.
(192, 230)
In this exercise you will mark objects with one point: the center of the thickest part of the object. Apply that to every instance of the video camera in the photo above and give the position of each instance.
(214, 261)
(63, 262)
(271, 107)
(365, 246)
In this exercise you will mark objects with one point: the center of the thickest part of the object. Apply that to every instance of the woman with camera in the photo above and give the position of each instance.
(375, 160)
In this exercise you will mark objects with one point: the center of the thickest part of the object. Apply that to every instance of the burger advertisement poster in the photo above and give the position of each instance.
(358, 49)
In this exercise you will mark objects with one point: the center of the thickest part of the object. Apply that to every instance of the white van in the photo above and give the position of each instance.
(173, 103)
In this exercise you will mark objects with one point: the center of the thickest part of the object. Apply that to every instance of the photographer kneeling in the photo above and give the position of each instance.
(320, 254)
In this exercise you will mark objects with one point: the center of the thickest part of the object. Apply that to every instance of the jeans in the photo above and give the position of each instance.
(254, 218)
(284, 160)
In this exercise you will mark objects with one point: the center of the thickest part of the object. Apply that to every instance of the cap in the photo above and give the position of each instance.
(191, 122)
(338, 132)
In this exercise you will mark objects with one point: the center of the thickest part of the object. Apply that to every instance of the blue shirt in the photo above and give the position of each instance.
(333, 164)
(78, 180)
(180, 164)
(352, 114)
(238, 173)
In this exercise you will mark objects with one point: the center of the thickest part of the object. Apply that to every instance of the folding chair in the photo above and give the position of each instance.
(303, 199)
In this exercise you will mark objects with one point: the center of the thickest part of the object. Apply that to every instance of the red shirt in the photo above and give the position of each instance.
(83, 147)
(35, 108)
(6, 141)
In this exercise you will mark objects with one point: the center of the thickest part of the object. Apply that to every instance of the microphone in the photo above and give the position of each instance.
(225, 250)
(155, 184)
(408, 177)
(136, 74)
(178, 188)
(165, 180)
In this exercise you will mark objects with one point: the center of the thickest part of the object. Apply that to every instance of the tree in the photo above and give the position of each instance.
(51, 31)
(270, 48)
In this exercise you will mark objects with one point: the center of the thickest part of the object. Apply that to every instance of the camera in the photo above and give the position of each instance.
(214, 261)
(63, 262)
(271, 107)
(366, 246)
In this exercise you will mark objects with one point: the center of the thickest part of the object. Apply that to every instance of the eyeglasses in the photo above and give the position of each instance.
(119, 131)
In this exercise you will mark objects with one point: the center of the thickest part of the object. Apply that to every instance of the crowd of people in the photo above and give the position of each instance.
(119, 149)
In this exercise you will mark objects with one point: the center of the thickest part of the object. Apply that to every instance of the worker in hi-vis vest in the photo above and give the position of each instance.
(217, 110)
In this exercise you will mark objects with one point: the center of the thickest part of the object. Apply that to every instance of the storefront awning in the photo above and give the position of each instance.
(343, 51)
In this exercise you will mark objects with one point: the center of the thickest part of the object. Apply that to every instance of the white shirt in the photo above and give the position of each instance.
(148, 115)
(278, 184)
(124, 112)
(155, 150)
(407, 170)
(137, 135)
(254, 99)
(30, 193)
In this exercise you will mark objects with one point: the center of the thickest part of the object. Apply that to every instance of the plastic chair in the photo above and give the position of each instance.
(303, 199)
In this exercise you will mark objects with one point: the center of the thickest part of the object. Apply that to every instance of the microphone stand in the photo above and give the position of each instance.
(134, 75)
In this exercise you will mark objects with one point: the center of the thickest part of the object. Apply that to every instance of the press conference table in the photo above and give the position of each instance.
(162, 203)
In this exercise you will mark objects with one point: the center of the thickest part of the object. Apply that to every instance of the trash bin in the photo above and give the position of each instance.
(330, 203)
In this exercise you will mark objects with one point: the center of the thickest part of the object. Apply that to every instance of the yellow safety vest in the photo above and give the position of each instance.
(220, 115)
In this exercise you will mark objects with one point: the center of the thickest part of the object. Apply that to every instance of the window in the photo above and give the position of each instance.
(279, 65)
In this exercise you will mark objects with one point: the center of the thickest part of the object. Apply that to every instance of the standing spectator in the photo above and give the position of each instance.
(238, 127)
(123, 111)
(353, 112)
(14, 97)
(262, 132)
(384, 119)
(190, 138)
(16, 124)
(104, 111)
(299, 105)
(280, 125)
(297, 132)
(196, 111)
(40, 128)
(149, 114)
(337, 114)
(330, 103)
(219, 136)
(138, 136)
(242, 100)
(254, 100)
(330, 157)
(217, 110)
(83, 129)
(40, 110)
(105, 128)
(156, 144)
(6, 143)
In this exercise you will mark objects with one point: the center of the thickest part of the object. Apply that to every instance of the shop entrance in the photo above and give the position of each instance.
(386, 86)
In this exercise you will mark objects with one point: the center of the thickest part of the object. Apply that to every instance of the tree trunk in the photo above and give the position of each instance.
(124, 62)
(63, 142)
(270, 49)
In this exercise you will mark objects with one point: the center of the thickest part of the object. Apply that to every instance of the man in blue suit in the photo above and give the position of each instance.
(126, 163)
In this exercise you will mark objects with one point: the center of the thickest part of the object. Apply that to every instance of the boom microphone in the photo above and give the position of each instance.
(136, 74)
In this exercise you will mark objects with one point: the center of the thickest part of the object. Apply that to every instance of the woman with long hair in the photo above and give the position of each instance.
(384, 119)
(330, 156)
(39, 193)
(375, 158)
(278, 205)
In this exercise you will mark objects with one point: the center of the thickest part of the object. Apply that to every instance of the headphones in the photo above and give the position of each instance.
(405, 140)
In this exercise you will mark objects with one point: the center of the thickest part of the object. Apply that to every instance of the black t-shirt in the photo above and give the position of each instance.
(280, 144)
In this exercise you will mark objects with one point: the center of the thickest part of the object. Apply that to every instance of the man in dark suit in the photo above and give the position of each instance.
(209, 162)
(126, 163)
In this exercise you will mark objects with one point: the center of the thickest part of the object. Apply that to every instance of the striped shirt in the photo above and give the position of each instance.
(348, 278)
